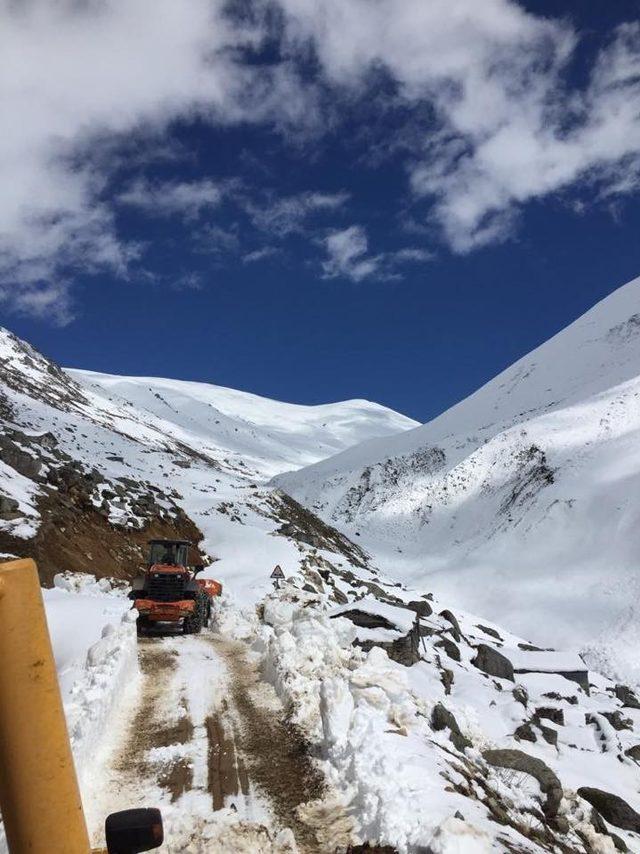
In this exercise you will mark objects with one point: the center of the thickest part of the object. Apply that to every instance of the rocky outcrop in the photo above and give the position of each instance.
(442, 718)
(517, 760)
(612, 808)
(492, 662)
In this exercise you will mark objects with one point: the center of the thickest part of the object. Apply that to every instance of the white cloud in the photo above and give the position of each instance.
(165, 198)
(506, 127)
(289, 214)
(216, 240)
(83, 81)
(76, 73)
(412, 255)
(260, 254)
(347, 255)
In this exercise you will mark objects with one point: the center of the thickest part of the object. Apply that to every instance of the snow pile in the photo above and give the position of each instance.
(522, 499)
(93, 635)
(110, 671)
(409, 750)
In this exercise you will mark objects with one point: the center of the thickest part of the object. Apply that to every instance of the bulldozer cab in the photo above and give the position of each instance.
(169, 552)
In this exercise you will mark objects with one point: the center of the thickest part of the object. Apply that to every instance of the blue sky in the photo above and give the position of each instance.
(392, 202)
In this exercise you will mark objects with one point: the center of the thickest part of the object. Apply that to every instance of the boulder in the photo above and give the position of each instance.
(617, 720)
(405, 649)
(633, 752)
(490, 661)
(525, 732)
(446, 677)
(22, 461)
(627, 697)
(520, 695)
(489, 631)
(9, 508)
(365, 619)
(422, 608)
(455, 625)
(442, 718)
(449, 647)
(551, 713)
(517, 760)
(612, 808)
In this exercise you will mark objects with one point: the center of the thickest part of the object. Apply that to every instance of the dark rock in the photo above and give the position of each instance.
(633, 752)
(451, 618)
(627, 697)
(366, 620)
(9, 508)
(442, 718)
(489, 631)
(520, 695)
(617, 721)
(490, 661)
(449, 647)
(517, 760)
(525, 732)
(549, 735)
(560, 823)
(553, 695)
(551, 713)
(421, 608)
(620, 844)
(446, 677)
(612, 808)
(405, 649)
(340, 597)
(23, 462)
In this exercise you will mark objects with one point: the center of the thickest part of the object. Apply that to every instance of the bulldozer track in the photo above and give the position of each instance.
(206, 737)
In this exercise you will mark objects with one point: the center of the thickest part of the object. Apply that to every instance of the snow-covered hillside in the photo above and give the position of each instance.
(343, 709)
(520, 502)
(269, 435)
(92, 465)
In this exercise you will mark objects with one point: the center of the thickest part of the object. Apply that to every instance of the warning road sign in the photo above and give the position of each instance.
(277, 572)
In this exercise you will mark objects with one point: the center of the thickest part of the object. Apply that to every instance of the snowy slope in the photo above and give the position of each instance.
(407, 721)
(520, 502)
(91, 465)
(271, 435)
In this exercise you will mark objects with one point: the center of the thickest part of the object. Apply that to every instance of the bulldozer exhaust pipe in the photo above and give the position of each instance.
(39, 795)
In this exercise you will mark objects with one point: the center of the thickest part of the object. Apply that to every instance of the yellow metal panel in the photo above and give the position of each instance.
(39, 795)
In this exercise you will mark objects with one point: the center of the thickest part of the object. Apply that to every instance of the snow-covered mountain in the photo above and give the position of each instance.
(267, 435)
(522, 502)
(352, 711)
(93, 465)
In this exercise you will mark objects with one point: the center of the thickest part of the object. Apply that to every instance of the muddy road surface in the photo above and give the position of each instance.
(206, 740)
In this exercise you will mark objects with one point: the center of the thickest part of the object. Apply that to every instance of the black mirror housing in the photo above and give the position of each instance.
(198, 567)
(132, 831)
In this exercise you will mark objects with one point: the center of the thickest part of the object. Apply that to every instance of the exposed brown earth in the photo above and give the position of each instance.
(227, 775)
(81, 539)
(277, 756)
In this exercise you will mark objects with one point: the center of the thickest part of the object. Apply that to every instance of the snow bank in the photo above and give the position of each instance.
(402, 748)
(372, 730)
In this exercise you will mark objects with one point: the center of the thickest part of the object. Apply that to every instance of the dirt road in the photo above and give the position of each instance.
(204, 738)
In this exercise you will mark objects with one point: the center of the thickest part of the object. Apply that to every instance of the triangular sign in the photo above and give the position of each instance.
(277, 572)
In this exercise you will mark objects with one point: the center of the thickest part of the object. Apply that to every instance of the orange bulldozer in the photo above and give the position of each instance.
(169, 591)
